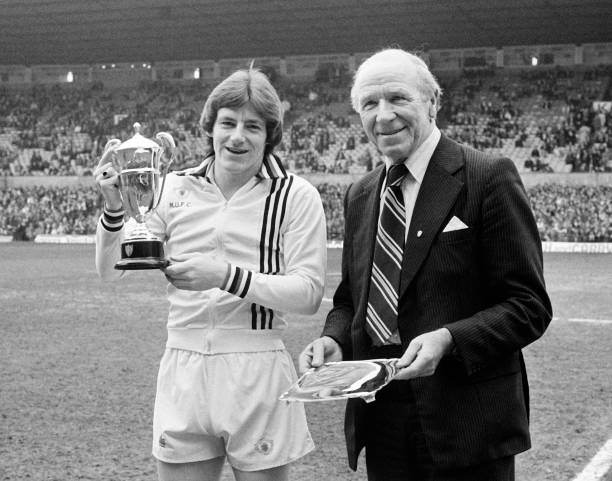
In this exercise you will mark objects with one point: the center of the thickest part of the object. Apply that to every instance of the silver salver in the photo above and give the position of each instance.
(342, 380)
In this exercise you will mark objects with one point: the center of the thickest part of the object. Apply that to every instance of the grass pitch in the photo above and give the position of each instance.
(79, 362)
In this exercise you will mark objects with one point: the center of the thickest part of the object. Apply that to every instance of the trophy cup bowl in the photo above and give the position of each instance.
(142, 168)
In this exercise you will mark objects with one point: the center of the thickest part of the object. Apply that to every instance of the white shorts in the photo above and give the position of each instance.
(209, 406)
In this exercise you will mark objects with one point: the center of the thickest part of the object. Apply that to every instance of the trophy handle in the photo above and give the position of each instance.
(112, 144)
(167, 142)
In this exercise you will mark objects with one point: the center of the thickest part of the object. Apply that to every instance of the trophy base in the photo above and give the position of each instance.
(141, 254)
(140, 264)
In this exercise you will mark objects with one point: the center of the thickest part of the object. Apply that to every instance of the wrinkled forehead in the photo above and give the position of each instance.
(385, 74)
(387, 90)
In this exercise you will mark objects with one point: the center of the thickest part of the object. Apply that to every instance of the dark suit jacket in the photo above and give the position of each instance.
(485, 284)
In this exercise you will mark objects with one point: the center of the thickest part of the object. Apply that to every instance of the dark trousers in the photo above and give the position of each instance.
(396, 449)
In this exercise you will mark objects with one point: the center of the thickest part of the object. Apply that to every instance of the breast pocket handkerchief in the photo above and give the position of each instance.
(455, 224)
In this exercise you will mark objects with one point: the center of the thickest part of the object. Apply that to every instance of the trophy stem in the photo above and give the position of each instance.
(137, 230)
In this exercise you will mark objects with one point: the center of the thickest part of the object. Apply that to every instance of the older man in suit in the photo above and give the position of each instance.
(455, 295)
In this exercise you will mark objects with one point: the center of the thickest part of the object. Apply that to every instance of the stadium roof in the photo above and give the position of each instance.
(34, 32)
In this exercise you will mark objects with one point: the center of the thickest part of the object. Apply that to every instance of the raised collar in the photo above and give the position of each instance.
(271, 168)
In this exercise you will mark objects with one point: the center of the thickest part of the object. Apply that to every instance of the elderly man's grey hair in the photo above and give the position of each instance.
(428, 84)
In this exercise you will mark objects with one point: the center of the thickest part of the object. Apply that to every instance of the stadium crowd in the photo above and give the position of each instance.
(572, 213)
(531, 116)
(60, 130)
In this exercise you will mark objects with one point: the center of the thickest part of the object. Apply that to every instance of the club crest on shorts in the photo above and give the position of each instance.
(264, 446)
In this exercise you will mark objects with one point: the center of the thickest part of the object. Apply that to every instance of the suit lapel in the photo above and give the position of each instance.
(435, 200)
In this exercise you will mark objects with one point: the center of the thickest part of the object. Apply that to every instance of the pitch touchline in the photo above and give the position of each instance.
(598, 466)
(580, 319)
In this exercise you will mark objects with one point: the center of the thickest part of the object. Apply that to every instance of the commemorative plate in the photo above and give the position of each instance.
(342, 380)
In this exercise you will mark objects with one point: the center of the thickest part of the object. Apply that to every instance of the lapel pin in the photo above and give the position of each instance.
(419, 233)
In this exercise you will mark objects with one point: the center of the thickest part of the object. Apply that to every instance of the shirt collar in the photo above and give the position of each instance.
(271, 168)
(419, 160)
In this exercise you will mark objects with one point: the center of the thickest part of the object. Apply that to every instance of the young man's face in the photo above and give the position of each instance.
(239, 140)
(394, 111)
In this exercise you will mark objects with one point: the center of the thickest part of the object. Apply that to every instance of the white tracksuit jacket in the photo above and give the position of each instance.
(272, 232)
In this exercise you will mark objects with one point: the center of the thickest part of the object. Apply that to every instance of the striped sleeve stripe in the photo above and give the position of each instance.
(112, 220)
(239, 281)
(281, 220)
(264, 230)
(269, 245)
(274, 215)
(273, 229)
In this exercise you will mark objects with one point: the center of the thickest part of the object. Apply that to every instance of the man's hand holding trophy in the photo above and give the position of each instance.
(131, 176)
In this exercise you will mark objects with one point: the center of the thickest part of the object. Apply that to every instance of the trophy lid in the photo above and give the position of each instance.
(138, 141)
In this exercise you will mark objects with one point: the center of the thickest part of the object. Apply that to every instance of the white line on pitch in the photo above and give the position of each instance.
(597, 321)
(599, 464)
(580, 319)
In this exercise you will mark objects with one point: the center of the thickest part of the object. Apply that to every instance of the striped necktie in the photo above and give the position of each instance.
(381, 315)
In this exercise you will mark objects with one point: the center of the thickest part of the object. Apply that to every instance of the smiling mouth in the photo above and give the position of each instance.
(392, 132)
(233, 150)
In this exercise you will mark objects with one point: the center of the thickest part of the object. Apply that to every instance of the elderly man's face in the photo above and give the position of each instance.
(394, 112)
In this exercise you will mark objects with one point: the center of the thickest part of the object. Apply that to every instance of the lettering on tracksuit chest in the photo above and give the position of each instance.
(179, 203)
(181, 199)
(190, 220)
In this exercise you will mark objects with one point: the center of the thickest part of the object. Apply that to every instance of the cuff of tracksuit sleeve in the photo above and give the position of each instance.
(112, 220)
(237, 281)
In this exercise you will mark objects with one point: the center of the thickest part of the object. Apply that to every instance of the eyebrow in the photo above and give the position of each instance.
(248, 120)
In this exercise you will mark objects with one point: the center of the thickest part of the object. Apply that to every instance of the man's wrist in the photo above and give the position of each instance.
(113, 208)
(112, 220)
(450, 342)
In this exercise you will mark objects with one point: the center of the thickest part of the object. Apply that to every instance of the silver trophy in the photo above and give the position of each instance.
(142, 165)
